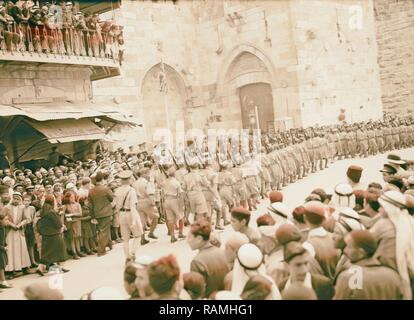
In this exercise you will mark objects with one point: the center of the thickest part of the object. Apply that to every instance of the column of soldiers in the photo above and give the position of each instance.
(198, 184)
(57, 28)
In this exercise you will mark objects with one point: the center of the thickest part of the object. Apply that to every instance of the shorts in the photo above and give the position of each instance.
(146, 207)
(130, 225)
(198, 204)
(173, 211)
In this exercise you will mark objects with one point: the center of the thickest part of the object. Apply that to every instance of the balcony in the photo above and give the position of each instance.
(99, 51)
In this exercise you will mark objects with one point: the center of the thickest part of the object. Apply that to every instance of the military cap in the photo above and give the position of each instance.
(126, 174)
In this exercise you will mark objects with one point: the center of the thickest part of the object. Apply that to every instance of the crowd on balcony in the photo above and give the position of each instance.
(58, 28)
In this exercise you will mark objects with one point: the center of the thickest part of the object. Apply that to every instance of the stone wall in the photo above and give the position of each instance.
(337, 60)
(313, 63)
(46, 83)
(395, 32)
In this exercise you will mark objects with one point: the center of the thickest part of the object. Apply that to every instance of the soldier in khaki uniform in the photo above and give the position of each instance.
(174, 204)
(372, 141)
(210, 191)
(395, 136)
(146, 200)
(388, 137)
(239, 187)
(129, 219)
(193, 184)
(227, 183)
(362, 141)
(379, 135)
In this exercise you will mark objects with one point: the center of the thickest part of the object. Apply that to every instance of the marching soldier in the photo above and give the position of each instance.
(239, 187)
(129, 220)
(210, 191)
(372, 142)
(174, 204)
(379, 135)
(352, 146)
(146, 201)
(395, 136)
(249, 172)
(344, 142)
(388, 137)
(227, 183)
(193, 184)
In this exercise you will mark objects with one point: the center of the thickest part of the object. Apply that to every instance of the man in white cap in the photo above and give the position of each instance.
(129, 219)
(250, 262)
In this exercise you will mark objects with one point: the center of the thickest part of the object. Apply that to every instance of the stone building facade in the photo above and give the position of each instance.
(395, 37)
(300, 61)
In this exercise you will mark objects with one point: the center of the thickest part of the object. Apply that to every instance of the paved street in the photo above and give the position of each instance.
(91, 272)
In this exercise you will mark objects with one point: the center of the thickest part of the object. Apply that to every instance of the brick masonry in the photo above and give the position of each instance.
(395, 37)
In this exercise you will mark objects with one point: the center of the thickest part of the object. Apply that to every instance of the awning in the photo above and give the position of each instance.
(67, 130)
(67, 110)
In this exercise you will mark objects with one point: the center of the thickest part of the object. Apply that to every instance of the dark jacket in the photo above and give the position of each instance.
(320, 284)
(377, 282)
(100, 202)
(211, 263)
(49, 223)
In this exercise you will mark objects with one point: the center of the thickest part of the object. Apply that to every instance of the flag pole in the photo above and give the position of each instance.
(164, 89)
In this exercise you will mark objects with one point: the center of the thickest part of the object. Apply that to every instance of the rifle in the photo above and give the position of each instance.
(186, 163)
(129, 167)
(175, 162)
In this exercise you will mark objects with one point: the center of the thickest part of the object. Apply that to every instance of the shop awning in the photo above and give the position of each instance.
(68, 130)
(67, 110)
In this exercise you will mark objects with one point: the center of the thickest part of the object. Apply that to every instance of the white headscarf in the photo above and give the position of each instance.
(404, 231)
(241, 275)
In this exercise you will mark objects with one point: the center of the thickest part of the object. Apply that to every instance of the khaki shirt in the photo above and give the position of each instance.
(127, 194)
(171, 187)
(144, 188)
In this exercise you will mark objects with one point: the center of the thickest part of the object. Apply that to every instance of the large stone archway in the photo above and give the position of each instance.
(157, 105)
(248, 85)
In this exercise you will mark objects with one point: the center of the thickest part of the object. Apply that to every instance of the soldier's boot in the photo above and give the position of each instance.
(144, 241)
(181, 229)
(152, 229)
(171, 227)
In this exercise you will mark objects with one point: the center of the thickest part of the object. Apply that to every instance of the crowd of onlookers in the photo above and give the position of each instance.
(48, 216)
(58, 27)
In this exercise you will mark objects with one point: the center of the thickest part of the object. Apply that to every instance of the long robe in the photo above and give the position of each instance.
(17, 253)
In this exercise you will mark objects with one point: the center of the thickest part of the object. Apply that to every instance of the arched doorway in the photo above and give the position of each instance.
(159, 105)
(256, 103)
(248, 84)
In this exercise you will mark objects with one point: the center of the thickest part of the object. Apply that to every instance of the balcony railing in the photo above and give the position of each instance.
(25, 43)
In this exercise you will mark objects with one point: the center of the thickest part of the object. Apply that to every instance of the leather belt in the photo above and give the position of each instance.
(125, 210)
